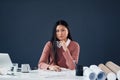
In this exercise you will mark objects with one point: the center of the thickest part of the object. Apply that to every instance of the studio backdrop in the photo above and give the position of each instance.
(26, 25)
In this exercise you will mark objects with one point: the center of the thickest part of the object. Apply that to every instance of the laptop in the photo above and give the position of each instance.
(5, 61)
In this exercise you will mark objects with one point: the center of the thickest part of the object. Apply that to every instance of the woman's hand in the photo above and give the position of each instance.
(62, 43)
(54, 68)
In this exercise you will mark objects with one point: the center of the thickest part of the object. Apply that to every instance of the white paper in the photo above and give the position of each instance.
(100, 74)
(89, 74)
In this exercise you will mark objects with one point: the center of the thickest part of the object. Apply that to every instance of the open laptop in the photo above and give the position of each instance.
(5, 61)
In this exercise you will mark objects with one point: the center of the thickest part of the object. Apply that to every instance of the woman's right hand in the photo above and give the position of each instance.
(54, 68)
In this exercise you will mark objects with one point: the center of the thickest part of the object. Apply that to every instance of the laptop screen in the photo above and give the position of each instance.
(5, 61)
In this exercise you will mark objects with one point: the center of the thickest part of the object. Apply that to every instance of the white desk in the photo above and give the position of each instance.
(44, 75)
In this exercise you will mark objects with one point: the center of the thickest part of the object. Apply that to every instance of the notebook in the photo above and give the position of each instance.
(5, 61)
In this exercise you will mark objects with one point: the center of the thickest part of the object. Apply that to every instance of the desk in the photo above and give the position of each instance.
(65, 74)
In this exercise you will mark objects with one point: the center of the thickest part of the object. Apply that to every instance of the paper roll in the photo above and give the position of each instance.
(114, 67)
(89, 73)
(85, 67)
(109, 73)
(100, 74)
(118, 75)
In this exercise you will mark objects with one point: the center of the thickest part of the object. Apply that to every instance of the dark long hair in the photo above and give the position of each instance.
(54, 38)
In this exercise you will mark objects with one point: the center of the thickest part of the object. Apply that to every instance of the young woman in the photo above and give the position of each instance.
(61, 51)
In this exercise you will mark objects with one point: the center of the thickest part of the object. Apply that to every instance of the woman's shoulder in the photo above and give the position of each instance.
(74, 43)
(48, 43)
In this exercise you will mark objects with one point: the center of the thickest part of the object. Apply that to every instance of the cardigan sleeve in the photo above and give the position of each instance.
(72, 57)
(43, 62)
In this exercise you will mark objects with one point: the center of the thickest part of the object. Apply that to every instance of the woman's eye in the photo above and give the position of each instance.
(57, 30)
(60, 30)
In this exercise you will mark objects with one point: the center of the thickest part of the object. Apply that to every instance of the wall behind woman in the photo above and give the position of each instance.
(25, 27)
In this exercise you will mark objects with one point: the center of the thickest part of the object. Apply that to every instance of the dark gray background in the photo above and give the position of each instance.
(26, 25)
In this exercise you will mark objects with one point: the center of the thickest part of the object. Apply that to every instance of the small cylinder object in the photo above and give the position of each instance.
(79, 70)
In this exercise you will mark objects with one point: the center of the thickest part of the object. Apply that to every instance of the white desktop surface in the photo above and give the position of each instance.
(65, 74)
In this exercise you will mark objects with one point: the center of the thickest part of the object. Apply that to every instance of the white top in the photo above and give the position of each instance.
(67, 43)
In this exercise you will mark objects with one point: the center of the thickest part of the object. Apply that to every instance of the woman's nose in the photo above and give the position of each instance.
(60, 33)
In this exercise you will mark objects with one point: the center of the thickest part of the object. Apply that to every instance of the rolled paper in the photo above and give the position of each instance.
(100, 75)
(109, 74)
(89, 73)
(118, 75)
(85, 67)
(114, 67)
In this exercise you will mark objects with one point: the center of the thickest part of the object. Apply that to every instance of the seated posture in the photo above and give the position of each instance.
(61, 51)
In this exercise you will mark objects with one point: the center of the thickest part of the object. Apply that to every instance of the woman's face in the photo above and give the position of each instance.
(61, 32)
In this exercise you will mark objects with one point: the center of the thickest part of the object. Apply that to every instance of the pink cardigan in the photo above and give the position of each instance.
(66, 59)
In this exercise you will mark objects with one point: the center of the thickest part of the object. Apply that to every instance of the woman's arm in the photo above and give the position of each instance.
(43, 62)
(71, 57)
